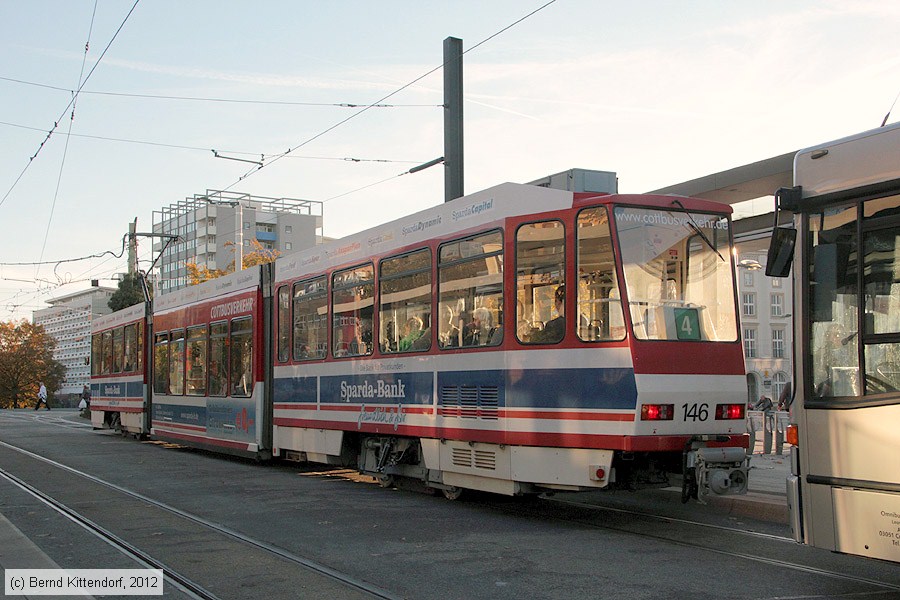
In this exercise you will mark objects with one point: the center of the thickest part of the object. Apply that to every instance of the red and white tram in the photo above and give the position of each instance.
(516, 340)
(118, 373)
(208, 375)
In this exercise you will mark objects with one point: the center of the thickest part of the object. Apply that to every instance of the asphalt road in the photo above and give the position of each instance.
(359, 540)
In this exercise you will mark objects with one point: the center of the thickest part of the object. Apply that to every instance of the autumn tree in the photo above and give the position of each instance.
(26, 359)
(257, 256)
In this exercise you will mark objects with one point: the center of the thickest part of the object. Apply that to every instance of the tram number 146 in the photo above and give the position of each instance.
(695, 412)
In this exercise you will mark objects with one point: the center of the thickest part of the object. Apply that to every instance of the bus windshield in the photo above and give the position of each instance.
(678, 275)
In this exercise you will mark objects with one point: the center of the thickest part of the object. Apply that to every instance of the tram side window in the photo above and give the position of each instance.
(176, 363)
(470, 291)
(196, 361)
(599, 303)
(540, 282)
(405, 311)
(161, 363)
(242, 357)
(310, 319)
(139, 346)
(218, 359)
(96, 353)
(130, 350)
(353, 309)
(107, 360)
(284, 323)
(118, 345)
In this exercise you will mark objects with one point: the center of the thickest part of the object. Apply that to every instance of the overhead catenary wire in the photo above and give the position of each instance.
(201, 149)
(62, 163)
(365, 109)
(223, 100)
(69, 105)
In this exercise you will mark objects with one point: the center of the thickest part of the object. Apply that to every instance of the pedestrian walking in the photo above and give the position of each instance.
(42, 398)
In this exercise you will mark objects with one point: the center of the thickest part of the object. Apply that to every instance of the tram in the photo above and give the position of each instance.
(119, 395)
(517, 340)
(844, 487)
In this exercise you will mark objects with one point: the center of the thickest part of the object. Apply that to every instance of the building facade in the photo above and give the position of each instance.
(209, 226)
(68, 321)
(766, 313)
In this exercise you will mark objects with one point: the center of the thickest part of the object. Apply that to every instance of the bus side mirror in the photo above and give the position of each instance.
(781, 248)
(781, 252)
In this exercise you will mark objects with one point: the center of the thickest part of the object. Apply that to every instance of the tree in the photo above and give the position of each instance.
(257, 256)
(26, 359)
(130, 292)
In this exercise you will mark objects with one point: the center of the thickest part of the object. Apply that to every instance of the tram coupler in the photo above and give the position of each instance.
(718, 471)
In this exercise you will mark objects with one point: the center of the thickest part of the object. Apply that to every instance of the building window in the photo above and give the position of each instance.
(748, 278)
(749, 304)
(776, 282)
(288, 246)
(777, 304)
(246, 224)
(749, 342)
(778, 343)
(779, 381)
(288, 229)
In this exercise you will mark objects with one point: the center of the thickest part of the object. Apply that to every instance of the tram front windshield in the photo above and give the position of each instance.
(678, 274)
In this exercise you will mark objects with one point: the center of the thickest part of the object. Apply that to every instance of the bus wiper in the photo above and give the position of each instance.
(697, 230)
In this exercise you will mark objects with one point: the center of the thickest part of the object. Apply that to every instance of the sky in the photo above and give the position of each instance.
(658, 91)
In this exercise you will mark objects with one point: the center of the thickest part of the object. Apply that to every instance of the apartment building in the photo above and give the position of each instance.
(68, 321)
(210, 225)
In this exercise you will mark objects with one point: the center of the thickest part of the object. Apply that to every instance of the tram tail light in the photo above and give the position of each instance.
(791, 436)
(657, 412)
(729, 411)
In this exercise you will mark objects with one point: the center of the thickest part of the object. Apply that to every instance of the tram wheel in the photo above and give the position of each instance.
(385, 481)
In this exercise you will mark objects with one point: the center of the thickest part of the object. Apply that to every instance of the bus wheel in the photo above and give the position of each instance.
(452, 493)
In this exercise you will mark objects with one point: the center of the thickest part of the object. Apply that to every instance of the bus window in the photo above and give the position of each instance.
(196, 361)
(405, 312)
(161, 363)
(353, 309)
(96, 353)
(540, 282)
(130, 350)
(107, 360)
(881, 294)
(834, 356)
(310, 319)
(284, 323)
(470, 291)
(176, 363)
(600, 314)
(242, 357)
(117, 349)
(218, 359)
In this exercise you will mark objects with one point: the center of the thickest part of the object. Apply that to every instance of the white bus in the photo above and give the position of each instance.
(844, 487)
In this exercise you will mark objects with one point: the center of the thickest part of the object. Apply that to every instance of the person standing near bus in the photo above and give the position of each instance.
(42, 398)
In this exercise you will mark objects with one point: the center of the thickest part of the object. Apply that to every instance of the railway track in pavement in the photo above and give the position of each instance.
(157, 535)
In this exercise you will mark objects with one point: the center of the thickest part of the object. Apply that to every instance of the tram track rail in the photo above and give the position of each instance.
(773, 551)
(344, 579)
(670, 536)
(186, 585)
